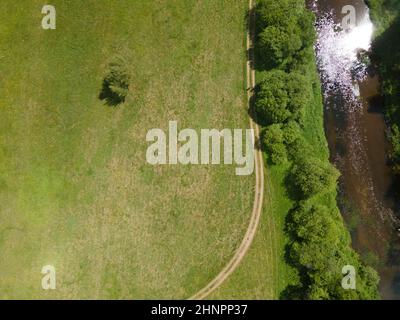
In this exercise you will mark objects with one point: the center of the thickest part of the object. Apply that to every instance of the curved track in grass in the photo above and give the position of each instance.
(259, 172)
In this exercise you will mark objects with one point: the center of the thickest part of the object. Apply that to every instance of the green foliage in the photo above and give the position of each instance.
(320, 248)
(312, 176)
(320, 244)
(383, 12)
(291, 132)
(277, 45)
(297, 145)
(278, 13)
(272, 99)
(282, 96)
(281, 141)
(285, 29)
(395, 138)
(386, 50)
(309, 217)
(274, 143)
(299, 92)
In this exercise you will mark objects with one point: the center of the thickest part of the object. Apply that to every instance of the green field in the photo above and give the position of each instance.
(265, 272)
(75, 189)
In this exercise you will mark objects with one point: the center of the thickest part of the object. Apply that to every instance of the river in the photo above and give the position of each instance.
(355, 129)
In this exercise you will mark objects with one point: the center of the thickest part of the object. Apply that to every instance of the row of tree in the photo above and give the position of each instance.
(320, 243)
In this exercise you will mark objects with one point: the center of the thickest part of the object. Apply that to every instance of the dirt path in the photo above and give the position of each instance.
(259, 170)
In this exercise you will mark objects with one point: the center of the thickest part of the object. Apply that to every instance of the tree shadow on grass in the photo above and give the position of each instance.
(111, 98)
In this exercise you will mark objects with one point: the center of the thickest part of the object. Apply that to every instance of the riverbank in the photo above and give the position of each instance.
(386, 58)
(355, 129)
(386, 54)
(289, 105)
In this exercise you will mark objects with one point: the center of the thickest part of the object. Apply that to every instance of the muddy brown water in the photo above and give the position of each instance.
(359, 149)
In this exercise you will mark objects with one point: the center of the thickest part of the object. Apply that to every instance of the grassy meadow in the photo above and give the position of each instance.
(75, 189)
(265, 272)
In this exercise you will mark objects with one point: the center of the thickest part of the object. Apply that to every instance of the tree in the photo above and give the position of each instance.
(282, 96)
(320, 243)
(277, 46)
(311, 176)
(320, 250)
(310, 221)
(291, 132)
(306, 21)
(278, 13)
(299, 93)
(272, 98)
(368, 284)
(295, 142)
(274, 144)
(285, 29)
(317, 237)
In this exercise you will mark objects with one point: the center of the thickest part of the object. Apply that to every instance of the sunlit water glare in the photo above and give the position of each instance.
(341, 69)
(338, 55)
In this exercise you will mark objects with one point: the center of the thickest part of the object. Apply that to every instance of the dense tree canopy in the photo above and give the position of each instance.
(272, 100)
(285, 30)
(282, 96)
(274, 142)
(277, 45)
(291, 132)
(312, 176)
(320, 249)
